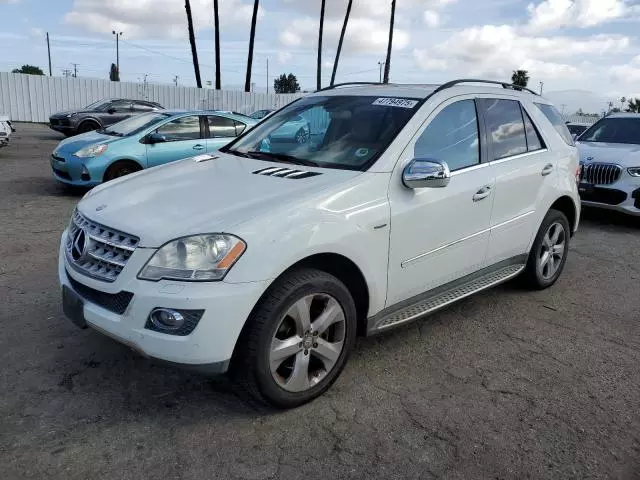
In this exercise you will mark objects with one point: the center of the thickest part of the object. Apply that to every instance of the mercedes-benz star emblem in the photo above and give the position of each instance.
(80, 245)
(100, 207)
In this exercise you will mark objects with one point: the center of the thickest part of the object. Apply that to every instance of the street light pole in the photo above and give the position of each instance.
(118, 35)
(541, 85)
(381, 65)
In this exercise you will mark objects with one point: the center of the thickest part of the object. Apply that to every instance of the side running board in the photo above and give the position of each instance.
(440, 297)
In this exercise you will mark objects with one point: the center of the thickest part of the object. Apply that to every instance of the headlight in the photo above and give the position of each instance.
(195, 258)
(70, 115)
(634, 171)
(91, 151)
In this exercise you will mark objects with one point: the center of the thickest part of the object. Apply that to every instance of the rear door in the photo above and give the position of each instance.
(184, 137)
(221, 130)
(524, 169)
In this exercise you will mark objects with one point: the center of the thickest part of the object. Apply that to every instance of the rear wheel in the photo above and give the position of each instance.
(549, 251)
(87, 126)
(120, 169)
(298, 339)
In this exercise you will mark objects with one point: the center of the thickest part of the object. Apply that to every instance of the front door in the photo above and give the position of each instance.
(441, 234)
(116, 111)
(184, 137)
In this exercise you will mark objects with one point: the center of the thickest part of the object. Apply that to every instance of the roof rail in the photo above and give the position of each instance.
(473, 80)
(346, 84)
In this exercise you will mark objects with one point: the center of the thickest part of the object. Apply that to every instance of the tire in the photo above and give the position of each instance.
(540, 274)
(302, 136)
(120, 169)
(87, 126)
(300, 373)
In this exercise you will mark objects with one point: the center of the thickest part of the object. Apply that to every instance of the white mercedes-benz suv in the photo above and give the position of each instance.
(610, 162)
(266, 259)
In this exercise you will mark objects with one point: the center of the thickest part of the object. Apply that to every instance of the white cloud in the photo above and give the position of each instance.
(36, 32)
(156, 18)
(552, 14)
(427, 62)
(625, 73)
(284, 57)
(9, 1)
(431, 18)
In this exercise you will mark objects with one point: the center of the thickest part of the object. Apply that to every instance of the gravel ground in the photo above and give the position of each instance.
(507, 384)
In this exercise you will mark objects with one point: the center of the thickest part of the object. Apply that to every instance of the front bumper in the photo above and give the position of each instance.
(69, 169)
(59, 127)
(621, 196)
(208, 348)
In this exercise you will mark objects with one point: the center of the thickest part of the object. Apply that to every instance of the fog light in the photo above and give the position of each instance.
(85, 174)
(166, 319)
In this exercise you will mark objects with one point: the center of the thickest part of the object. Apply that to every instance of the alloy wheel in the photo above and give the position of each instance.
(552, 250)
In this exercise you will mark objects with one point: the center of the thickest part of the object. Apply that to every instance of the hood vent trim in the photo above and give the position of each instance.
(289, 173)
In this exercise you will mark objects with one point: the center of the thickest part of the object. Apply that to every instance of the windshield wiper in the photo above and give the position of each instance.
(281, 157)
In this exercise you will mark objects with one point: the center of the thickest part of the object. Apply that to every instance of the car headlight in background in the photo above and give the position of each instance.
(195, 258)
(91, 151)
(70, 115)
(634, 171)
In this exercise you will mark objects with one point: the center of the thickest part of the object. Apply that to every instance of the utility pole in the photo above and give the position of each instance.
(541, 85)
(66, 73)
(118, 35)
(175, 80)
(267, 75)
(49, 53)
(75, 70)
(381, 66)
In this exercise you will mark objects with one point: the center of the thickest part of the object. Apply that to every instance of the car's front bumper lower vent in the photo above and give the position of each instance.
(285, 173)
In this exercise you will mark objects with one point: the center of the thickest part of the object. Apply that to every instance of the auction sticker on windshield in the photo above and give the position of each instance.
(395, 102)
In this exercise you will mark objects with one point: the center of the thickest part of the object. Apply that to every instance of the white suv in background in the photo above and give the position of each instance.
(267, 259)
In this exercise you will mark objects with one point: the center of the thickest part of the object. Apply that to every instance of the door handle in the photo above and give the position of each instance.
(198, 147)
(548, 168)
(484, 192)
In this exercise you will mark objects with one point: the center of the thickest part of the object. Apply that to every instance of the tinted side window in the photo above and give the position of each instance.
(557, 121)
(505, 127)
(221, 127)
(141, 107)
(184, 128)
(239, 127)
(452, 136)
(120, 106)
(534, 142)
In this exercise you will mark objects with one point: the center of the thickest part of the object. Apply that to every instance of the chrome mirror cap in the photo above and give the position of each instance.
(426, 173)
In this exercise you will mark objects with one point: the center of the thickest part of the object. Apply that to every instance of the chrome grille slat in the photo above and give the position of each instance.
(600, 173)
(107, 250)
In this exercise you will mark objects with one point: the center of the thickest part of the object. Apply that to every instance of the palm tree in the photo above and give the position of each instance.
(216, 22)
(622, 100)
(634, 105)
(247, 82)
(387, 63)
(344, 29)
(520, 78)
(192, 41)
(319, 75)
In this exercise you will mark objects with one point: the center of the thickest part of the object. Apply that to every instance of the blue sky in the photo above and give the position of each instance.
(567, 44)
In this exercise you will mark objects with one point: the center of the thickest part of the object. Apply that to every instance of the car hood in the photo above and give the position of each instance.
(73, 144)
(623, 154)
(68, 112)
(190, 197)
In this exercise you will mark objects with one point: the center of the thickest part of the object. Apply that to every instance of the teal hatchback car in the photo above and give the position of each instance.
(143, 141)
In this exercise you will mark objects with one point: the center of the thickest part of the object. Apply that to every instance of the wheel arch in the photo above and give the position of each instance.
(566, 205)
(120, 160)
(90, 120)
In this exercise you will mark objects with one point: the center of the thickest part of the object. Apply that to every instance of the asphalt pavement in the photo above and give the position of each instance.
(508, 384)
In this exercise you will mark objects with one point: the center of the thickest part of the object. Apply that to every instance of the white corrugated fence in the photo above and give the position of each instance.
(33, 98)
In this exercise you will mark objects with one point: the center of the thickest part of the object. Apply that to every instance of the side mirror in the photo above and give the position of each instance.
(111, 110)
(156, 138)
(426, 172)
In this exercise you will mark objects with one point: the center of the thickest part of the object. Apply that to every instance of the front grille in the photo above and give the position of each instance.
(610, 196)
(600, 173)
(58, 158)
(114, 302)
(62, 174)
(53, 121)
(98, 251)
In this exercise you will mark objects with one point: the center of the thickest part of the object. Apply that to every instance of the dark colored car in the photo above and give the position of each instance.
(99, 114)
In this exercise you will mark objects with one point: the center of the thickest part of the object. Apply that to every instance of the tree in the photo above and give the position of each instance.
(520, 78)
(634, 105)
(29, 70)
(319, 74)
(622, 101)
(192, 41)
(286, 84)
(252, 35)
(387, 63)
(216, 21)
(344, 29)
(114, 75)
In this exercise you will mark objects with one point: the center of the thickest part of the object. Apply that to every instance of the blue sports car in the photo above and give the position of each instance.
(143, 141)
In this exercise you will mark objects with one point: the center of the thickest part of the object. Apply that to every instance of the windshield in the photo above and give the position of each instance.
(134, 124)
(346, 132)
(614, 130)
(96, 105)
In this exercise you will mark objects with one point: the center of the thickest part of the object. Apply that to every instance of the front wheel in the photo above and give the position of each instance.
(549, 251)
(298, 339)
(120, 169)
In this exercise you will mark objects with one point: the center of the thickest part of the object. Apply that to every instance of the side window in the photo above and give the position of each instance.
(141, 107)
(184, 128)
(120, 106)
(221, 127)
(239, 127)
(557, 121)
(505, 127)
(452, 136)
(534, 142)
